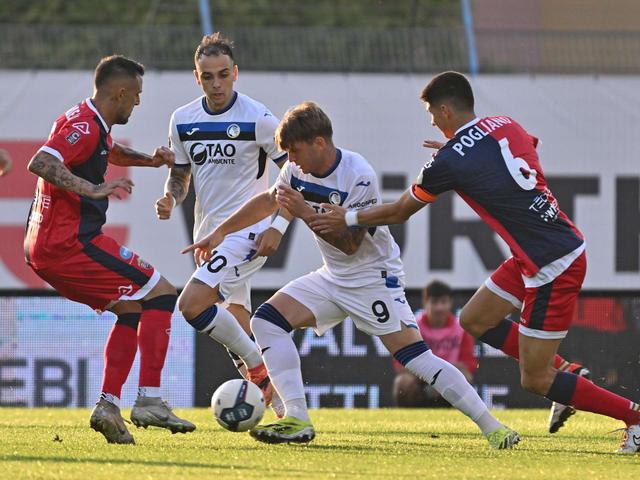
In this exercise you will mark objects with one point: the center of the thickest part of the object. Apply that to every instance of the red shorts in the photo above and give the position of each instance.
(547, 310)
(101, 272)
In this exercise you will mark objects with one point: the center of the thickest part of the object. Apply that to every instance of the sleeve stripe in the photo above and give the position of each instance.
(52, 151)
(421, 195)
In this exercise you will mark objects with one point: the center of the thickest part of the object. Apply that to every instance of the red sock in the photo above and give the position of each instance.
(505, 337)
(153, 338)
(119, 353)
(591, 398)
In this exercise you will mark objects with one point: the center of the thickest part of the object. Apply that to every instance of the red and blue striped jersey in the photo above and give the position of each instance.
(493, 165)
(60, 221)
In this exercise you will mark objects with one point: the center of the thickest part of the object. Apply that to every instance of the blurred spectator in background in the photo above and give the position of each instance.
(446, 338)
(5, 162)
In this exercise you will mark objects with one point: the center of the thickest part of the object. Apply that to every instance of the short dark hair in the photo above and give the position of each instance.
(449, 86)
(303, 123)
(214, 44)
(436, 289)
(115, 66)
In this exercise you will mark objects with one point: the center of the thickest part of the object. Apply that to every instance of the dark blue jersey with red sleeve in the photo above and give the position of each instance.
(493, 165)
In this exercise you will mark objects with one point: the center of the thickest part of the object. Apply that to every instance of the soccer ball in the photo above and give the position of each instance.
(238, 405)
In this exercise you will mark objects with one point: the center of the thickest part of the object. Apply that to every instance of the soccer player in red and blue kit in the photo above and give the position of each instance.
(492, 164)
(65, 246)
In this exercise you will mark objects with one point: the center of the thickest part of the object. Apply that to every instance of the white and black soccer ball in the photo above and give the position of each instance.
(238, 405)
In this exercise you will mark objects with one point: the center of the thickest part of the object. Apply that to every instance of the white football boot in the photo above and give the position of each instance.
(630, 440)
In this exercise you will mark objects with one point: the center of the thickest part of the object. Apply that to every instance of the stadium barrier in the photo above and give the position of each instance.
(326, 49)
(51, 356)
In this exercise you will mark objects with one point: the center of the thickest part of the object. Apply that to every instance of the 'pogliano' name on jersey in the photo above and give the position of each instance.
(228, 152)
(351, 183)
(493, 165)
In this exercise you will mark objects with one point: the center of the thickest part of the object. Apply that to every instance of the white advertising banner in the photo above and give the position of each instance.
(587, 128)
(51, 355)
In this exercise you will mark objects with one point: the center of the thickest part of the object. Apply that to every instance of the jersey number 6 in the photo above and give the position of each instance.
(524, 175)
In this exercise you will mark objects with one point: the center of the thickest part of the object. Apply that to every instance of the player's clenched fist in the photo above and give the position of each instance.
(164, 206)
(163, 156)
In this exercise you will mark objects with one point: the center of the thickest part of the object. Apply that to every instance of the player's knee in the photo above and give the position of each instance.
(191, 305)
(188, 309)
(407, 390)
(535, 383)
(469, 321)
(254, 324)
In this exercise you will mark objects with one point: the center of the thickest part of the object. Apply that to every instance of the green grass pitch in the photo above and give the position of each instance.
(371, 444)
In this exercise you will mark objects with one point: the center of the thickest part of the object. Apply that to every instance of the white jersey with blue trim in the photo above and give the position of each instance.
(228, 153)
(351, 183)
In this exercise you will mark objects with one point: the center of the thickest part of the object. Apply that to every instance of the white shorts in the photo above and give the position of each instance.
(230, 268)
(376, 309)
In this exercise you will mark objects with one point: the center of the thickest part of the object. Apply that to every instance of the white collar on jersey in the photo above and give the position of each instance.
(467, 125)
(93, 107)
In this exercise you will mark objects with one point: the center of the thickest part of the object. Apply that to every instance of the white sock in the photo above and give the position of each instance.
(297, 408)
(109, 397)
(149, 391)
(454, 388)
(277, 405)
(226, 330)
(283, 364)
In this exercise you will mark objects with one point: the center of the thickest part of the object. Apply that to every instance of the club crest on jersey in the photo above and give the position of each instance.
(233, 130)
(335, 198)
(125, 253)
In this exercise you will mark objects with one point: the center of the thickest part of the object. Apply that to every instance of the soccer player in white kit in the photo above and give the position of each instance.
(361, 277)
(225, 140)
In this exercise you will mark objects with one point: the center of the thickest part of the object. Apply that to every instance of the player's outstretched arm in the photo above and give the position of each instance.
(54, 171)
(260, 206)
(338, 218)
(128, 157)
(175, 190)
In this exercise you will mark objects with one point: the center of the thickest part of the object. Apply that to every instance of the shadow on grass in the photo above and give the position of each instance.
(286, 471)
(123, 461)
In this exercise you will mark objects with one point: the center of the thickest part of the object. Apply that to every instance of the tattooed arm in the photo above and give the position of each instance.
(128, 157)
(55, 172)
(347, 240)
(175, 190)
